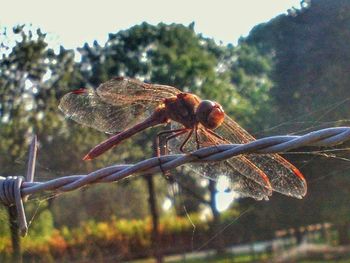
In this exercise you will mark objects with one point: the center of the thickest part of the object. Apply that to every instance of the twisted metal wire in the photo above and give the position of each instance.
(15, 190)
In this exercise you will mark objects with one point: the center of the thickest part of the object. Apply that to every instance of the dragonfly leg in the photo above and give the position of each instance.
(184, 130)
(162, 133)
(186, 140)
(196, 136)
(178, 132)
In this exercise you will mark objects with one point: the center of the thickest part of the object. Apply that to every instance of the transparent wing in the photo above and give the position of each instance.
(239, 183)
(245, 178)
(121, 91)
(283, 176)
(89, 109)
(116, 105)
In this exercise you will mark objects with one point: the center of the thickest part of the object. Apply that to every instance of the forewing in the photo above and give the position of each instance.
(115, 105)
(121, 91)
(283, 176)
(86, 107)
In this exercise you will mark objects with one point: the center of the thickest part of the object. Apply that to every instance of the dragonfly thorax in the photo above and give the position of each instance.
(189, 110)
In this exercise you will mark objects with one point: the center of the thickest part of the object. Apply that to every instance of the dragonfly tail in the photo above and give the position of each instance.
(158, 117)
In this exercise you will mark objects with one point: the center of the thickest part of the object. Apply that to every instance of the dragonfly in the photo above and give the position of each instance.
(124, 107)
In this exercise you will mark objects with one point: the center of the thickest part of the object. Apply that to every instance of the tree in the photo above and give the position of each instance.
(310, 59)
(166, 54)
(32, 80)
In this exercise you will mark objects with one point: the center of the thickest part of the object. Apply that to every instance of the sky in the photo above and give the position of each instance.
(72, 23)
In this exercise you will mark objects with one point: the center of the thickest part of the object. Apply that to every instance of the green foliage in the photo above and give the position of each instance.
(250, 73)
(41, 229)
(4, 229)
(131, 238)
(100, 202)
(310, 57)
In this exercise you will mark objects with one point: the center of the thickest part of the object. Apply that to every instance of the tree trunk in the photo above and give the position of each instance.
(298, 236)
(343, 233)
(156, 245)
(219, 241)
(15, 235)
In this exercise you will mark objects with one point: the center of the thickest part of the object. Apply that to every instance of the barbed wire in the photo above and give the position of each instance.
(14, 190)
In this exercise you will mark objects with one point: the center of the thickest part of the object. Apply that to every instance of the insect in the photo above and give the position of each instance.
(125, 107)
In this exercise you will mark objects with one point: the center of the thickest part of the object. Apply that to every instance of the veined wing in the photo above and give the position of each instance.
(283, 176)
(245, 177)
(239, 183)
(121, 91)
(253, 175)
(87, 108)
(115, 105)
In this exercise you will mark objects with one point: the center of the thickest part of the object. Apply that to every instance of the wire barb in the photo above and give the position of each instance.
(10, 188)
(14, 190)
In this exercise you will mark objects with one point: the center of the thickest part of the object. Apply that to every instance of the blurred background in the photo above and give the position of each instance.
(277, 68)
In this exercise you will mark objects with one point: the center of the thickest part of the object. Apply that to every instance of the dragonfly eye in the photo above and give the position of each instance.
(210, 114)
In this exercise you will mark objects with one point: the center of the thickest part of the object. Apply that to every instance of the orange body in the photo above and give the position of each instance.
(118, 104)
(181, 108)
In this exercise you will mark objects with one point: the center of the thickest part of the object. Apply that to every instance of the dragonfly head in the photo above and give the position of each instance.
(210, 114)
